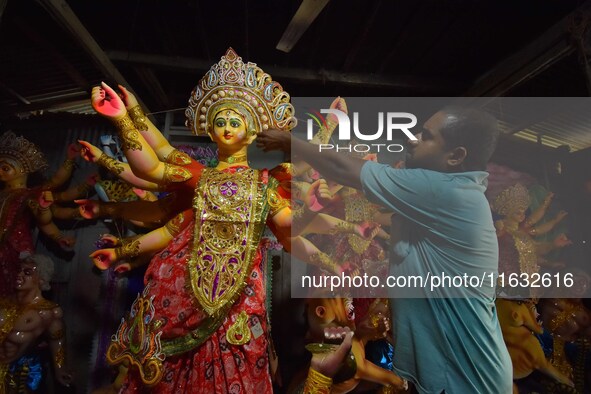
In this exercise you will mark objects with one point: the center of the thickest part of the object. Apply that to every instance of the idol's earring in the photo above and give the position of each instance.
(252, 132)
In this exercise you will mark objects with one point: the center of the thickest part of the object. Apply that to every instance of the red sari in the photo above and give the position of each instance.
(15, 235)
(214, 366)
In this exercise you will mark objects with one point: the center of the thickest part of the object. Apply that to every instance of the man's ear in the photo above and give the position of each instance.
(457, 156)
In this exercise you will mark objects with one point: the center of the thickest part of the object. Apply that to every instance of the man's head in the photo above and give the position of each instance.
(35, 271)
(455, 139)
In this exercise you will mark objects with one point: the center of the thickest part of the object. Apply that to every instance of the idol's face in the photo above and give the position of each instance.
(517, 215)
(28, 277)
(9, 169)
(229, 129)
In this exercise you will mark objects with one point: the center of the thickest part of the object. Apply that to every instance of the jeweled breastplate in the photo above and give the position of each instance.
(230, 212)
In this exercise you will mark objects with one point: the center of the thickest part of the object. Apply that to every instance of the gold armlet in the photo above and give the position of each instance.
(138, 117)
(69, 164)
(322, 260)
(174, 225)
(178, 158)
(110, 164)
(60, 357)
(276, 202)
(128, 133)
(343, 227)
(323, 135)
(297, 211)
(317, 383)
(128, 250)
(174, 173)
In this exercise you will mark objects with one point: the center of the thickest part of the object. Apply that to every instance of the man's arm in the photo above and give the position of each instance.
(343, 169)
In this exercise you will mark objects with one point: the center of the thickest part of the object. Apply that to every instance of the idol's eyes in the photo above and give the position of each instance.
(234, 123)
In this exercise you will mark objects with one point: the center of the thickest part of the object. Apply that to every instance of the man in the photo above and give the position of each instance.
(24, 323)
(443, 225)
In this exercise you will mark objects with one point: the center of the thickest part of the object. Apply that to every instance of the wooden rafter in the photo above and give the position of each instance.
(360, 79)
(65, 16)
(530, 61)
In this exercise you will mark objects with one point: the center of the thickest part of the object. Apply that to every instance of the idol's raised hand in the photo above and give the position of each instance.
(89, 152)
(89, 209)
(103, 258)
(107, 102)
(128, 98)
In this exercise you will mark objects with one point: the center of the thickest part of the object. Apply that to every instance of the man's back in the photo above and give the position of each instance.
(445, 326)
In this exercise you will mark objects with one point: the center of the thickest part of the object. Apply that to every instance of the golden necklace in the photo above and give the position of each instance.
(234, 158)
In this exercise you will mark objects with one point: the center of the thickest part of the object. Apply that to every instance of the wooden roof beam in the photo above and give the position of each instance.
(65, 17)
(547, 49)
(192, 65)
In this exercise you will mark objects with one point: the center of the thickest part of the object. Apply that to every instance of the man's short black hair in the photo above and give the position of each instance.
(475, 130)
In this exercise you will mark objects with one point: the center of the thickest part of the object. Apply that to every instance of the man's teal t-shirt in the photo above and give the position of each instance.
(446, 338)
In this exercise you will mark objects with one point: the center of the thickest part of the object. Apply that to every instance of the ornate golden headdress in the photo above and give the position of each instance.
(231, 83)
(511, 199)
(23, 151)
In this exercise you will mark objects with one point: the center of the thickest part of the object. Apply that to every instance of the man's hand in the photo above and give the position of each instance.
(107, 102)
(274, 140)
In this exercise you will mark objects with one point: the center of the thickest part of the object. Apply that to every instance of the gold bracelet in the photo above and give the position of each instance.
(116, 167)
(276, 202)
(139, 118)
(128, 133)
(174, 173)
(174, 225)
(343, 227)
(317, 383)
(322, 260)
(128, 250)
(177, 157)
